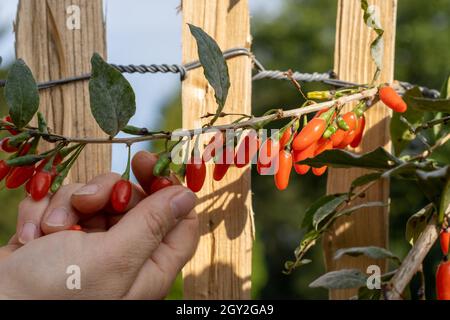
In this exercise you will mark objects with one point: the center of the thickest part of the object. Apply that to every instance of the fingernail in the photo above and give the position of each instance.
(182, 203)
(57, 218)
(28, 232)
(88, 190)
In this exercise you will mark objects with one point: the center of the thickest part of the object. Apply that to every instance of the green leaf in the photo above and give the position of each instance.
(21, 94)
(365, 293)
(365, 179)
(113, 102)
(306, 243)
(307, 222)
(415, 100)
(370, 251)
(341, 279)
(214, 66)
(372, 20)
(349, 211)
(417, 223)
(327, 209)
(376, 159)
(445, 91)
(444, 206)
(433, 182)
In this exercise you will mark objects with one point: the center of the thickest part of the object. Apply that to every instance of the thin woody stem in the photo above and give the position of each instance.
(253, 122)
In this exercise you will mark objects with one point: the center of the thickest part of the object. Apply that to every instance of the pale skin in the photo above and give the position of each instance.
(133, 256)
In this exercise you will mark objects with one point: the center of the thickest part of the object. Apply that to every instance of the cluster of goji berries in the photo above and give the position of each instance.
(443, 270)
(26, 167)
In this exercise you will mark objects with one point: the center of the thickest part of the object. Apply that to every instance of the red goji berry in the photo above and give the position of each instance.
(19, 176)
(223, 164)
(40, 184)
(443, 281)
(322, 146)
(160, 183)
(348, 138)
(246, 150)
(287, 134)
(444, 239)
(284, 170)
(216, 142)
(9, 128)
(337, 137)
(25, 149)
(351, 119)
(392, 100)
(4, 169)
(6, 147)
(359, 131)
(302, 155)
(311, 133)
(195, 174)
(121, 195)
(268, 154)
(76, 228)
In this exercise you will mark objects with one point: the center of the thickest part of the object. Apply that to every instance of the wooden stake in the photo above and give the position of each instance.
(353, 63)
(221, 267)
(53, 50)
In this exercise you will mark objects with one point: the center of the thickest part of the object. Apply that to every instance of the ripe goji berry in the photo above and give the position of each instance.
(195, 174)
(4, 169)
(6, 147)
(25, 149)
(268, 154)
(348, 138)
(322, 146)
(223, 163)
(302, 155)
(9, 128)
(359, 132)
(160, 183)
(121, 195)
(287, 134)
(40, 185)
(444, 239)
(351, 119)
(311, 133)
(246, 150)
(443, 281)
(76, 228)
(392, 100)
(19, 176)
(337, 137)
(216, 142)
(284, 170)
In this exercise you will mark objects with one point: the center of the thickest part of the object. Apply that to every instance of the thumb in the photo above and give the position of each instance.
(142, 229)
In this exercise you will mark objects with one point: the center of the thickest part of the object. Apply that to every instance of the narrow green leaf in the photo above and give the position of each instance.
(433, 182)
(444, 206)
(349, 211)
(214, 66)
(341, 279)
(365, 179)
(21, 94)
(445, 91)
(372, 20)
(417, 223)
(113, 102)
(415, 100)
(307, 221)
(370, 251)
(376, 159)
(326, 210)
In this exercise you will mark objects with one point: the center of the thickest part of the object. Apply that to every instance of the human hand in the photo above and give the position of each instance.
(132, 256)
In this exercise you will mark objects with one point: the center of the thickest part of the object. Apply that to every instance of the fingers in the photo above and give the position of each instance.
(142, 165)
(174, 252)
(29, 219)
(60, 215)
(139, 233)
(95, 195)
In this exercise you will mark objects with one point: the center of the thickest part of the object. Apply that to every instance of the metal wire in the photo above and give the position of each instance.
(329, 77)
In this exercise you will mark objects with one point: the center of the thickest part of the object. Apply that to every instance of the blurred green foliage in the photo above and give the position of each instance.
(301, 37)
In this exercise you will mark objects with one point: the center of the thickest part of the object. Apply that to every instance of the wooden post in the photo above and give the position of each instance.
(53, 50)
(221, 267)
(353, 63)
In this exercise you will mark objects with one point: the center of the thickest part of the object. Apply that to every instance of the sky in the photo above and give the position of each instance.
(140, 32)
